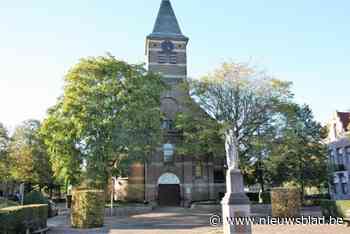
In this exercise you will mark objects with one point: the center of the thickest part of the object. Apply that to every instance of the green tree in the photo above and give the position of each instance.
(109, 108)
(201, 134)
(29, 160)
(299, 154)
(4, 161)
(59, 134)
(241, 99)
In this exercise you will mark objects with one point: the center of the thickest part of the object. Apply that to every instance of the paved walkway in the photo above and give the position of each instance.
(181, 221)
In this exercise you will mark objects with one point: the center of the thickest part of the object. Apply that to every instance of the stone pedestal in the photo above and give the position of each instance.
(235, 204)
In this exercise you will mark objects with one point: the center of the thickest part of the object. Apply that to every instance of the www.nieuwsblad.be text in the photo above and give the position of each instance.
(217, 220)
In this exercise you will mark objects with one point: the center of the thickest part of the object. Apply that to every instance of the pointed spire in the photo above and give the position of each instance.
(166, 25)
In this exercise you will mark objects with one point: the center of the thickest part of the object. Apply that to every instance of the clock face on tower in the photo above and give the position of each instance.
(167, 46)
(167, 54)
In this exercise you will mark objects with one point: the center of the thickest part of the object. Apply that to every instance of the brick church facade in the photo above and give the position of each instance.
(170, 179)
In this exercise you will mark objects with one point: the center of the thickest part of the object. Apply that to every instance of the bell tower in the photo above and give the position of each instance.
(166, 46)
(166, 52)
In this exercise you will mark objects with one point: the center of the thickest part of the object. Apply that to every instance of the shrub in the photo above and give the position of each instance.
(335, 208)
(17, 219)
(266, 197)
(285, 202)
(88, 207)
(36, 197)
(312, 202)
(7, 203)
(342, 207)
(329, 208)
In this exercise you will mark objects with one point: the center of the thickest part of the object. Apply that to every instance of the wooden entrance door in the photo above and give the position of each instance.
(169, 194)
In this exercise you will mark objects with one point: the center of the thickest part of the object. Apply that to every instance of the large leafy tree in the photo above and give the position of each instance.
(278, 141)
(28, 157)
(201, 134)
(243, 100)
(298, 153)
(109, 109)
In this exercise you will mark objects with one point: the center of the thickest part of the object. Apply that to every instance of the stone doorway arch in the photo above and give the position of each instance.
(169, 190)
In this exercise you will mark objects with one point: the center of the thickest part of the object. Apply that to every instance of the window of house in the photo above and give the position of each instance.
(340, 156)
(347, 154)
(344, 187)
(199, 169)
(331, 157)
(336, 180)
(342, 183)
(347, 150)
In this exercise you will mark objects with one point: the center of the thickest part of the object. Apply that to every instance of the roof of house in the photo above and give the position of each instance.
(345, 119)
(166, 25)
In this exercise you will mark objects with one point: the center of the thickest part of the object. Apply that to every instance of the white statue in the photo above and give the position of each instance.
(231, 145)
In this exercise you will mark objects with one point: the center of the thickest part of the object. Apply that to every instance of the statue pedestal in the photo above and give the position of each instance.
(235, 204)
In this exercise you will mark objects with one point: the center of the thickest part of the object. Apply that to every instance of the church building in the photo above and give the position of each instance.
(169, 179)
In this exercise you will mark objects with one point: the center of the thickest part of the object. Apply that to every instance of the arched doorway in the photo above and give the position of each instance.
(169, 190)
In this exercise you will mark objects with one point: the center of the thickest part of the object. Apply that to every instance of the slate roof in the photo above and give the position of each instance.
(345, 119)
(166, 25)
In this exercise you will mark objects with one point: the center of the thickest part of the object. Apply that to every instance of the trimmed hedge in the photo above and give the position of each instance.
(266, 197)
(285, 202)
(7, 203)
(337, 208)
(88, 208)
(36, 197)
(17, 219)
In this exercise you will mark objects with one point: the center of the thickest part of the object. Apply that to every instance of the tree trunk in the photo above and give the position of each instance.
(260, 172)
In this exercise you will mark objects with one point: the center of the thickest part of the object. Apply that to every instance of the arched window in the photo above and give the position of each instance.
(168, 151)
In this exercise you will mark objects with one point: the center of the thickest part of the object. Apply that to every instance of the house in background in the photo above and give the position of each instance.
(339, 155)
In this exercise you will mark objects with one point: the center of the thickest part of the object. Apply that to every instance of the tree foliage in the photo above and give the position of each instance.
(202, 135)
(28, 158)
(298, 154)
(278, 140)
(109, 108)
(4, 162)
(240, 98)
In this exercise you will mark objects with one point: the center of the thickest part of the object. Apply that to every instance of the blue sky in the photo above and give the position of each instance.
(306, 42)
